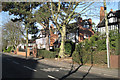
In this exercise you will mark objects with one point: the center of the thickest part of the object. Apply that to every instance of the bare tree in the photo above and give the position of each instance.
(63, 13)
(12, 33)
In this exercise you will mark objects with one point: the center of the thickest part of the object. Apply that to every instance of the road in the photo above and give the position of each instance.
(18, 67)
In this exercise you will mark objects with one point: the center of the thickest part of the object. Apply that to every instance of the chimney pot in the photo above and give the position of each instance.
(101, 8)
(111, 10)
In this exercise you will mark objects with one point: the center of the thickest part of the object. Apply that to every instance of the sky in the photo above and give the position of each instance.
(4, 16)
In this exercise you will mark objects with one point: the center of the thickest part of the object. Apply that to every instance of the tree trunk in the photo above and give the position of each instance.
(47, 42)
(26, 40)
(62, 46)
(47, 36)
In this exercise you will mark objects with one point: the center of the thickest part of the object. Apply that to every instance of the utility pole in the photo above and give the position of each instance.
(107, 34)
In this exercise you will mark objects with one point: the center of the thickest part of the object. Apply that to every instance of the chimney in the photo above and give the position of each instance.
(102, 15)
(90, 21)
(111, 10)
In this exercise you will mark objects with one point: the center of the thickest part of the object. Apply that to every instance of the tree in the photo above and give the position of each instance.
(33, 30)
(11, 34)
(23, 12)
(62, 14)
(42, 17)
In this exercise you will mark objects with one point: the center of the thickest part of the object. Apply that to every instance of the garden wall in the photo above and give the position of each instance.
(23, 53)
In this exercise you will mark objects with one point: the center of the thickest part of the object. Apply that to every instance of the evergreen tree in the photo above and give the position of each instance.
(43, 17)
(23, 12)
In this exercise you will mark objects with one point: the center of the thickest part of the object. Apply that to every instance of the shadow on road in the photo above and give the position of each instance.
(80, 65)
(18, 67)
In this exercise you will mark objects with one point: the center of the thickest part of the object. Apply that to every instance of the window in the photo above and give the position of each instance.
(111, 20)
(86, 24)
(86, 35)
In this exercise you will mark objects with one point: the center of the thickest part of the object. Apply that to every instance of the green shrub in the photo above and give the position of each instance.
(100, 57)
(114, 42)
(9, 49)
(82, 54)
(5, 50)
(87, 55)
(69, 47)
(56, 50)
(101, 44)
(45, 54)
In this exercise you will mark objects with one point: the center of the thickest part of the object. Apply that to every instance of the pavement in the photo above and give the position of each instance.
(85, 68)
(51, 68)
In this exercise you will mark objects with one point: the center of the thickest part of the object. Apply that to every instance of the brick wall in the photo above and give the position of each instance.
(23, 53)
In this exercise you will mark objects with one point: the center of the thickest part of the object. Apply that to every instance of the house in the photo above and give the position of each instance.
(113, 20)
(41, 40)
(30, 44)
(82, 30)
(85, 30)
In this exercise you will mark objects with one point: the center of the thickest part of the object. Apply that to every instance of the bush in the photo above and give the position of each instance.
(81, 54)
(69, 47)
(9, 49)
(101, 44)
(46, 54)
(56, 50)
(114, 42)
(5, 50)
(87, 55)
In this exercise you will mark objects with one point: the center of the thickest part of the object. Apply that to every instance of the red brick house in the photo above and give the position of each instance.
(85, 29)
(53, 36)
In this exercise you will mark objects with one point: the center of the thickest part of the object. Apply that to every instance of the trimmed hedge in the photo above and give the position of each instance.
(45, 54)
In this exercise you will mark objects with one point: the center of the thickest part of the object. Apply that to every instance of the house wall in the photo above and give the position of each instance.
(41, 43)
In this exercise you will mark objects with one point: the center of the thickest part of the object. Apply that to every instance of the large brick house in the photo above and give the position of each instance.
(85, 29)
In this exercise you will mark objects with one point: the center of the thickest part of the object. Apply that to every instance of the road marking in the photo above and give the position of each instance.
(15, 62)
(109, 75)
(30, 68)
(52, 77)
(50, 69)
